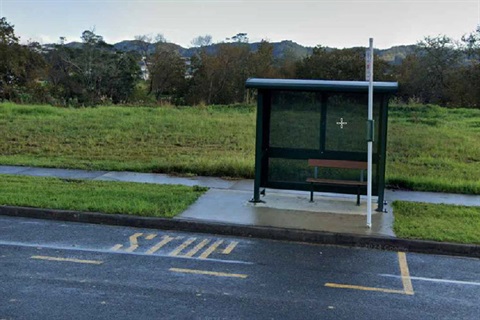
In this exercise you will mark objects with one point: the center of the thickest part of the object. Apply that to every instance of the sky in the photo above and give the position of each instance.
(340, 24)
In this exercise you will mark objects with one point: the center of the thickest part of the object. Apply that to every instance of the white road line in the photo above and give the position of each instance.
(471, 283)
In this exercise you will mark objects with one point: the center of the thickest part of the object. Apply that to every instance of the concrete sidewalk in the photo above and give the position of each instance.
(227, 201)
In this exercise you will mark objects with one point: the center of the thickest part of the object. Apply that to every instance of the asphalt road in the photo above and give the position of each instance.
(59, 270)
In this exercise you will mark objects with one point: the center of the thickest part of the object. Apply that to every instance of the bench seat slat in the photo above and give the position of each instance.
(337, 182)
(344, 164)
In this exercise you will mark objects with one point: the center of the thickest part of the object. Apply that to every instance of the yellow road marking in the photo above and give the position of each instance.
(155, 248)
(151, 236)
(347, 286)
(197, 248)
(181, 247)
(66, 260)
(210, 249)
(407, 282)
(133, 242)
(230, 247)
(209, 273)
(117, 247)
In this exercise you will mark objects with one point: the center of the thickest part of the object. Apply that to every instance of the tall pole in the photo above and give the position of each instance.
(370, 138)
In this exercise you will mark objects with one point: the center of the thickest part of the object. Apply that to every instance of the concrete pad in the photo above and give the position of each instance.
(13, 169)
(339, 205)
(166, 179)
(232, 206)
(63, 173)
(433, 197)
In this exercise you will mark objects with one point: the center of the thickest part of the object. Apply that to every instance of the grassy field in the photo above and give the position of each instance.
(202, 141)
(97, 196)
(429, 148)
(437, 222)
(434, 149)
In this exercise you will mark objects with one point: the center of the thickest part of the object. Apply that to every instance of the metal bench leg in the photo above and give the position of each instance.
(358, 196)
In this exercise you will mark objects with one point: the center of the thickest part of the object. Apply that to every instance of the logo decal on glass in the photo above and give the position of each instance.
(341, 123)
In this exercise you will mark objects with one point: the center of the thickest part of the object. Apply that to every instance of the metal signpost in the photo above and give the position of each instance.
(370, 134)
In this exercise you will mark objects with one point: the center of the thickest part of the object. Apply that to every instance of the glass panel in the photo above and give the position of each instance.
(288, 170)
(293, 170)
(296, 123)
(295, 120)
(346, 122)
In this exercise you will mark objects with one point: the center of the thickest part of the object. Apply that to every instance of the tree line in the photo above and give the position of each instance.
(440, 70)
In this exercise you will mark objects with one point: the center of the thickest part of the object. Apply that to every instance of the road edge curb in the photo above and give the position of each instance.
(273, 233)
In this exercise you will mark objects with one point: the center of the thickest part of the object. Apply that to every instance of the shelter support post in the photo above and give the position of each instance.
(382, 154)
(370, 141)
(258, 148)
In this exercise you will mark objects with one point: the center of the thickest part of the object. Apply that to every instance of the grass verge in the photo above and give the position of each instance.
(431, 148)
(210, 141)
(438, 222)
(139, 199)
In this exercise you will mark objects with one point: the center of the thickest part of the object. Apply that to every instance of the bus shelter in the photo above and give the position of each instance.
(300, 122)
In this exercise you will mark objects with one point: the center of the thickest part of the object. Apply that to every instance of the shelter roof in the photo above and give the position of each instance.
(320, 85)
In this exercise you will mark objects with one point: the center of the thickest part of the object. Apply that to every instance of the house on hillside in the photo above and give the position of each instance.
(143, 68)
(188, 67)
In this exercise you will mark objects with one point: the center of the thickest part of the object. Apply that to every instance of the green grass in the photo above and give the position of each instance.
(429, 148)
(212, 141)
(97, 196)
(434, 149)
(437, 222)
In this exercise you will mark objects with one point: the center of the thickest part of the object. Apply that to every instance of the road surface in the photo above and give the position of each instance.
(63, 270)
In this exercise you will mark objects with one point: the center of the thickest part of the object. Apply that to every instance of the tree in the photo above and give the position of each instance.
(262, 62)
(20, 66)
(428, 73)
(7, 33)
(92, 74)
(466, 80)
(89, 38)
(220, 77)
(439, 57)
(239, 38)
(287, 64)
(339, 64)
(167, 72)
(146, 44)
(123, 74)
(202, 41)
(471, 44)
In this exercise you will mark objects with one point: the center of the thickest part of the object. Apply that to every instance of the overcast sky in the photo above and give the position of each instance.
(341, 23)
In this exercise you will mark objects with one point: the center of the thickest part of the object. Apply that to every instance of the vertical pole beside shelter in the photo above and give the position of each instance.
(370, 140)
(258, 148)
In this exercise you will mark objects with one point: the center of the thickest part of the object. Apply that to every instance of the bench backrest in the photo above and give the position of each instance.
(344, 164)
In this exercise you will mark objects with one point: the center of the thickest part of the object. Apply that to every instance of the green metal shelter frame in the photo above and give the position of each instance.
(299, 120)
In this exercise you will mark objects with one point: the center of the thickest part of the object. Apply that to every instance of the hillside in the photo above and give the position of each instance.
(394, 55)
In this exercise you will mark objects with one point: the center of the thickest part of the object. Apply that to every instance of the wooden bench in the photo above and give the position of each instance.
(341, 164)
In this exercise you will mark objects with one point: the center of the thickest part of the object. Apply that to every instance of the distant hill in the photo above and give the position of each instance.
(139, 46)
(74, 45)
(394, 55)
(279, 48)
